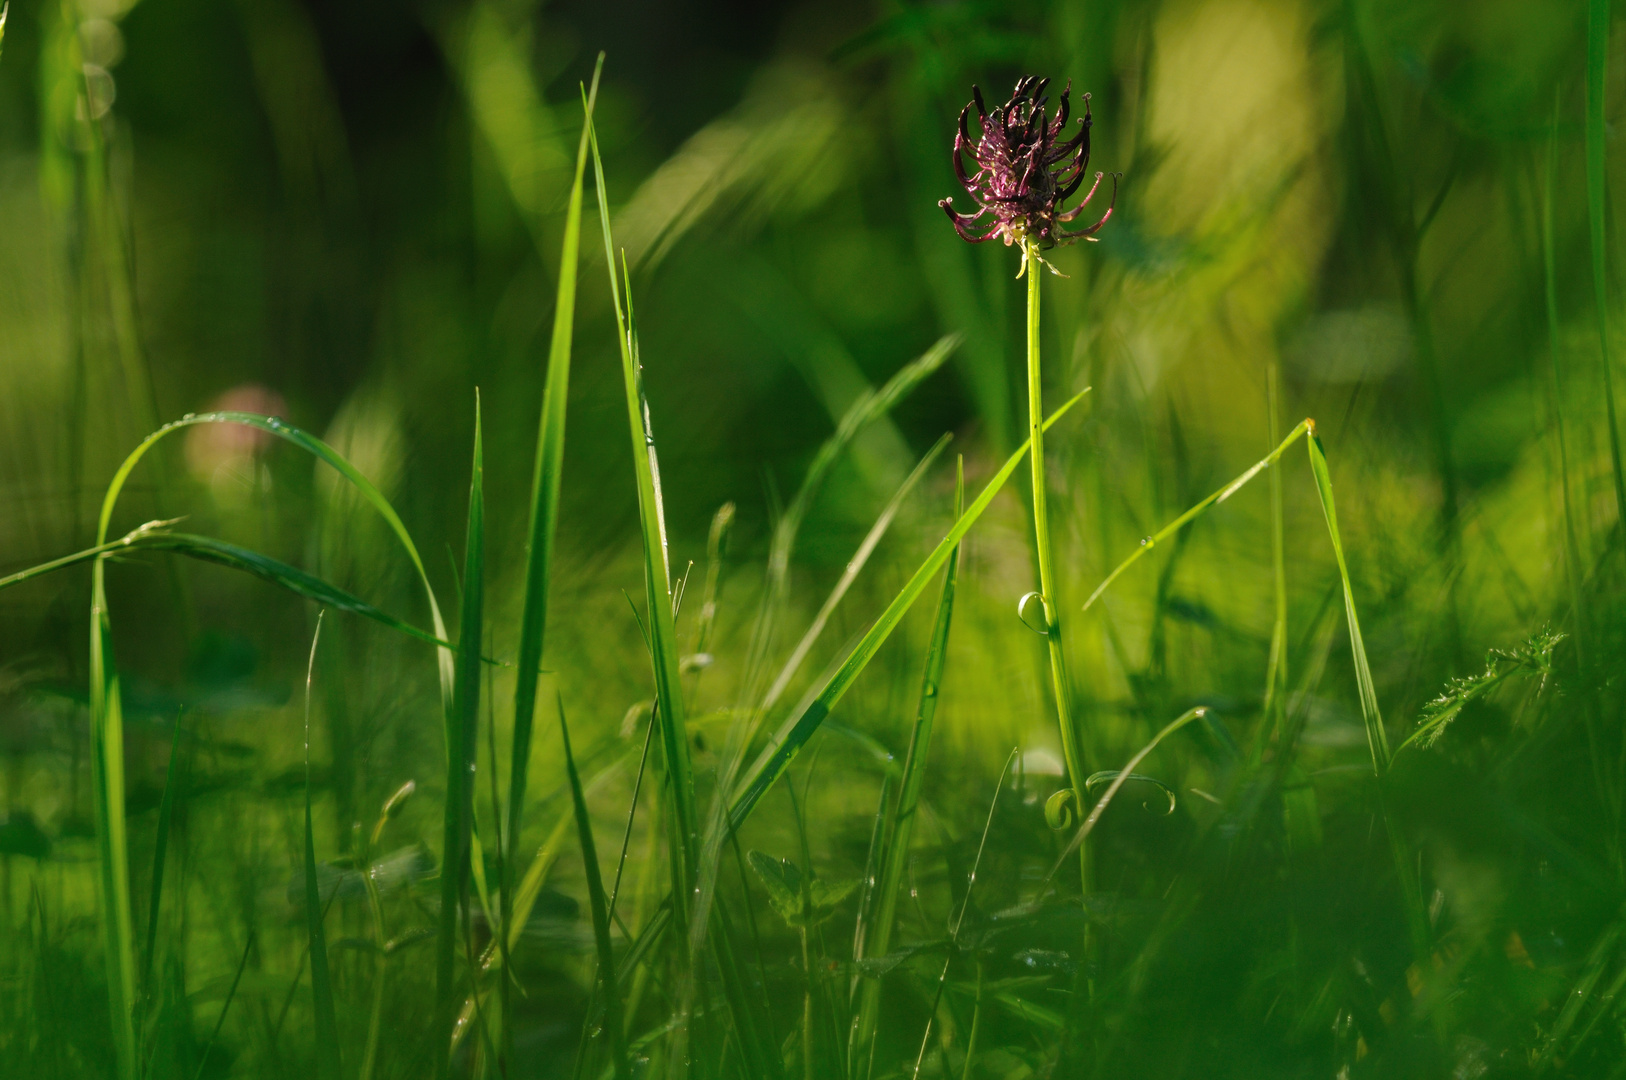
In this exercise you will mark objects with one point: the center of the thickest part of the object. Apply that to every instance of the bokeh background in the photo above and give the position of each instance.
(347, 214)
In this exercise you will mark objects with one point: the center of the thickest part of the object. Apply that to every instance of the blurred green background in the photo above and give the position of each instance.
(348, 215)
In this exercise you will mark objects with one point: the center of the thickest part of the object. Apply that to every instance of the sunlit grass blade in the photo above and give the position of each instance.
(794, 734)
(1197, 511)
(462, 743)
(1375, 735)
(898, 829)
(599, 904)
(850, 573)
(160, 848)
(544, 520)
(1597, 150)
(328, 1065)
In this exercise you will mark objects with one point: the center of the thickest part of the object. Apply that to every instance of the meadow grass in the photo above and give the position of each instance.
(1306, 845)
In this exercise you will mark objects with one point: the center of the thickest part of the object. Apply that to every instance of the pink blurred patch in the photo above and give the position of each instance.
(211, 448)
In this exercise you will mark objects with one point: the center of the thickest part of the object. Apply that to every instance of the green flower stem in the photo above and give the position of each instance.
(1041, 535)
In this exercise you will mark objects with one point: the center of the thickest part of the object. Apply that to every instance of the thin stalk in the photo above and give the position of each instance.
(1060, 683)
(976, 1025)
(1597, 65)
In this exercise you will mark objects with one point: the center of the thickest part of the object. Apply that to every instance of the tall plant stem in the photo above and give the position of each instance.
(1041, 536)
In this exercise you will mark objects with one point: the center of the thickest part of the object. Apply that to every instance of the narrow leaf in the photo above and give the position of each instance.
(1375, 736)
(327, 1027)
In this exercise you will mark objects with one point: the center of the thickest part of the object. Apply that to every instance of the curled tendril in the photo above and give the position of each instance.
(1061, 810)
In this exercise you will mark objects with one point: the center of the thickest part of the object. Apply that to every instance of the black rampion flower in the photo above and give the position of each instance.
(1024, 169)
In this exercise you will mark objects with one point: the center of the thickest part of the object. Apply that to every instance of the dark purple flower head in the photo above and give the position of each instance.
(1025, 169)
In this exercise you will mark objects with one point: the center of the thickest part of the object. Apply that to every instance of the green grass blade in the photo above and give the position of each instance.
(788, 741)
(874, 940)
(328, 1066)
(1597, 64)
(545, 484)
(670, 711)
(462, 741)
(154, 537)
(1276, 669)
(166, 812)
(107, 777)
(1197, 511)
(600, 908)
(1375, 736)
(854, 567)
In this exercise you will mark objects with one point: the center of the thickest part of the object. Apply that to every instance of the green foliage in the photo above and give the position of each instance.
(1532, 657)
(803, 902)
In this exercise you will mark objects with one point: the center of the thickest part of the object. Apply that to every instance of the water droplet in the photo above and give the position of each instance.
(1146, 541)
(190, 416)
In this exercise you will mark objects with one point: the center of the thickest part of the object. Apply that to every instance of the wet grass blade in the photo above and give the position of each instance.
(898, 830)
(462, 741)
(854, 567)
(1375, 736)
(544, 520)
(160, 848)
(1597, 64)
(1197, 511)
(794, 734)
(608, 985)
(328, 1065)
